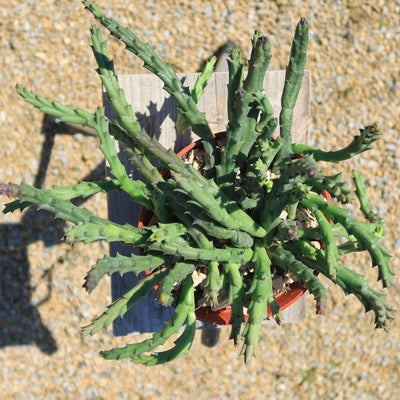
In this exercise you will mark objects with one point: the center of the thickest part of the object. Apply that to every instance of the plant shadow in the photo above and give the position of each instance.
(20, 320)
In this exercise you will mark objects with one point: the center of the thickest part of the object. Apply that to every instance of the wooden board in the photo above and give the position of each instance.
(157, 114)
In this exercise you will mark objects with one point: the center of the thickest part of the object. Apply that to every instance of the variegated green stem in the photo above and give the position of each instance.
(184, 341)
(107, 146)
(267, 134)
(46, 200)
(245, 103)
(334, 185)
(353, 283)
(96, 121)
(202, 79)
(368, 135)
(213, 283)
(175, 276)
(119, 307)
(236, 300)
(89, 232)
(122, 264)
(182, 346)
(137, 157)
(57, 110)
(316, 234)
(258, 63)
(193, 253)
(365, 205)
(366, 238)
(191, 214)
(182, 123)
(183, 308)
(236, 237)
(331, 252)
(84, 189)
(172, 84)
(284, 258)
(293, 79)
(236, 68)
(138, 138)
(240, 137)
(262, 296)
(219, 208)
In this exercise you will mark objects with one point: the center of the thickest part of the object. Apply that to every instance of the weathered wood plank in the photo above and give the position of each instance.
(157, 113)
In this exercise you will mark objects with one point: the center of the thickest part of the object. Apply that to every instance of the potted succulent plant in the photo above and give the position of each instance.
(234, 220)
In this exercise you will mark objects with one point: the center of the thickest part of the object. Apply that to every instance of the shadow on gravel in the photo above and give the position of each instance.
(20, 321)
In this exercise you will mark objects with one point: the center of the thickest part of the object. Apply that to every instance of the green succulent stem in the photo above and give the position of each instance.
(46, 200)
(365, 205)
(331, 251)
(182, 346)
(293, 80)
(119, 307)
(235, 300)
(219, 208)
(353, 283)
(174, 278)
(262, 296)
(213, 283)
(82, 189)
(98, 122)
(122, 264)
(134, 136)
(107, 146)
(365, 237)
(183, 123)
(258, 63)
(237, 219)
(183, 311)
(236, 68)
(202, 79)
(284, 257)
(172, 84)
(368, 135)
(240, 136)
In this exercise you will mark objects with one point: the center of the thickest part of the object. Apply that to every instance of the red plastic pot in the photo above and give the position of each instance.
(222, 316)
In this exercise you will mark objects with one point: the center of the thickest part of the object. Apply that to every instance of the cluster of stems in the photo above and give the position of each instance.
(226, 218)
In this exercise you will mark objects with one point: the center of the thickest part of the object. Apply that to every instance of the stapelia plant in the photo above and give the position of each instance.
(228, 217)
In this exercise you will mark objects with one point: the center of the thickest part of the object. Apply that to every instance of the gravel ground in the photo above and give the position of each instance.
(44, 44)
